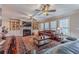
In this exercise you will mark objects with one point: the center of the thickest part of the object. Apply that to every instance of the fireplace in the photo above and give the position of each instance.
(26, 32)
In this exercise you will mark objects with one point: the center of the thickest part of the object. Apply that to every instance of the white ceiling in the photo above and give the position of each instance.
(21, 11)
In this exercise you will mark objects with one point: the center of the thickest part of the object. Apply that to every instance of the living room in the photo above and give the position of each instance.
(37, 28)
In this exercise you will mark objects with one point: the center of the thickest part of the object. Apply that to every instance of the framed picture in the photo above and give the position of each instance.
(35, 25)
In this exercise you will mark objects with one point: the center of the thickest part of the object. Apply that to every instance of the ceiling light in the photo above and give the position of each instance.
(46, 8)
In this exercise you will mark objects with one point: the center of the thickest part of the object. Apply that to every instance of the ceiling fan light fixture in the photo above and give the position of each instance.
(46, 8)
(45, 13)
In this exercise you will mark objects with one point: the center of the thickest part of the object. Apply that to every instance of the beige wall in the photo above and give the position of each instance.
(74, 25)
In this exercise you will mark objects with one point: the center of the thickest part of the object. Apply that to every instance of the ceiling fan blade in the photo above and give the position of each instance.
(34, 19)
(35, 13)
(51, 10)
(40, 13)
(37, 10)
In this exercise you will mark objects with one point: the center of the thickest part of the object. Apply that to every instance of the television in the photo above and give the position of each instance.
(26, 24)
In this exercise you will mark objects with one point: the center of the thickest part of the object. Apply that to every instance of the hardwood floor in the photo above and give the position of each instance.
(25, 45)
(7, 45)
(29, 43)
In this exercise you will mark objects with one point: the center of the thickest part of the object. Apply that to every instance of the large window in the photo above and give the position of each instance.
(64, 24)
(53, 25)
(47, 26)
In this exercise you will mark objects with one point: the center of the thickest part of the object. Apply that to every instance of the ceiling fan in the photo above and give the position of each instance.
(46, 8)
(32, 17)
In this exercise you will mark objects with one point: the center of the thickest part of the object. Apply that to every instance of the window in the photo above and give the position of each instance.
(53, 25)
(42, 26)
(64, 24)
(47, 26)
